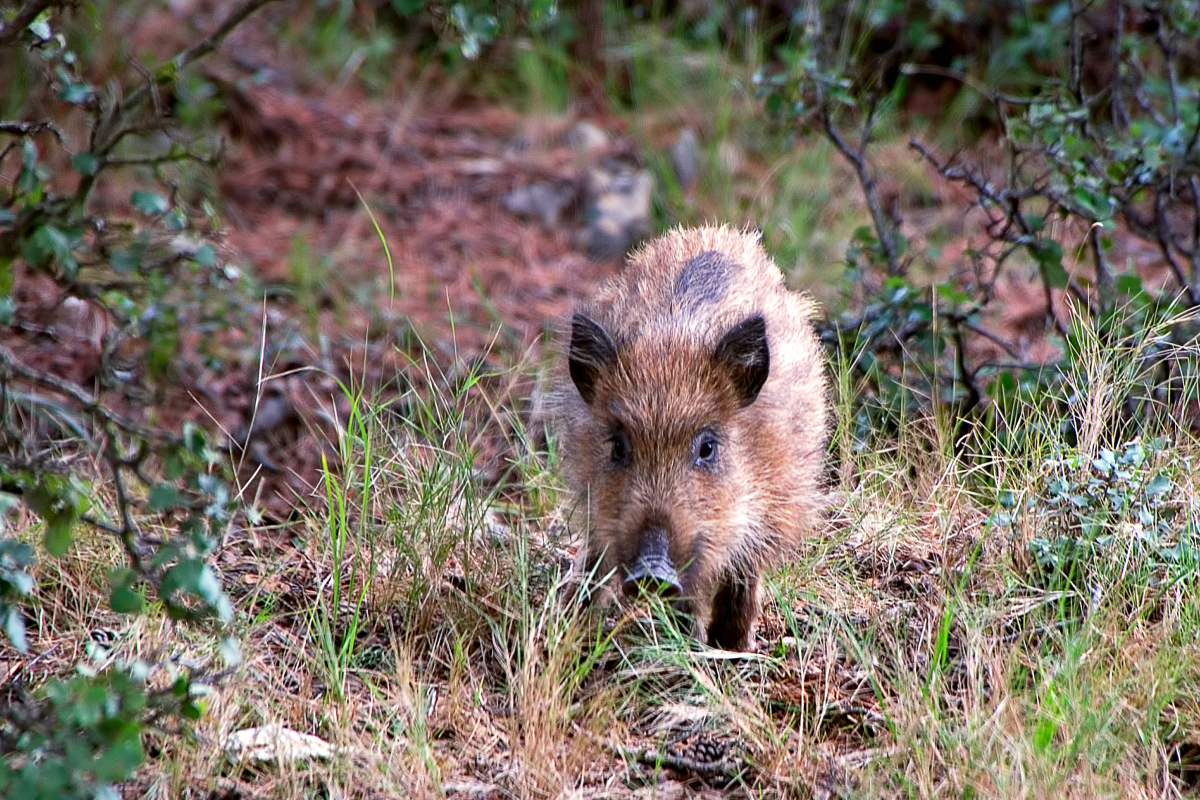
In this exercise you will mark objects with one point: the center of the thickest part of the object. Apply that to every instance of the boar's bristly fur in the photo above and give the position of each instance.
(694, 424)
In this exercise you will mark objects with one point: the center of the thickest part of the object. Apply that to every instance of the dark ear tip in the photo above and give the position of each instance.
(746, 355)
(592, 351)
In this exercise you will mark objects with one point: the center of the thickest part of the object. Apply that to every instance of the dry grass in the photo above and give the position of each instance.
(908, 650)
(414, 616)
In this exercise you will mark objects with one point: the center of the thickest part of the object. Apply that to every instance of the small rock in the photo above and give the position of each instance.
(481, 166)
(586, 137)
(540, 199)
(618, 209)
(685, 158)
(275, 743)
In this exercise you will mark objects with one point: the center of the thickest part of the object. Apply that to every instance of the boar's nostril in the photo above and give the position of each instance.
(651, 586)
(653, 566)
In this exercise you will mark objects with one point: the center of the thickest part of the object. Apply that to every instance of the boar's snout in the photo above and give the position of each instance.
(653, 568)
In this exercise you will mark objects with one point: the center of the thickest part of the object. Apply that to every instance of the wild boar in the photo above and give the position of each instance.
(693, 428)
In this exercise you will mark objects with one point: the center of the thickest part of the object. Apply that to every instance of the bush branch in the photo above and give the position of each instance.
(11, 31)
(11, 365)
(858, 160)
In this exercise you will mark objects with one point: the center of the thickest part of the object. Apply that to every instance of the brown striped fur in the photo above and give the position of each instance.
(671, 364)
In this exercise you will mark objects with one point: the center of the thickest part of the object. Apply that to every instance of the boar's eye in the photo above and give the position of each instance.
(620, 448)
(704, 449)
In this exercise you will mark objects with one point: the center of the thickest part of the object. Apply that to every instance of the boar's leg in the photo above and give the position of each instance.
(734, 612)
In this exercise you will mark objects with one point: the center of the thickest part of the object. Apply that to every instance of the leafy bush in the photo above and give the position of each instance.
(1099, 133)
(1084, 509)
(148, 275)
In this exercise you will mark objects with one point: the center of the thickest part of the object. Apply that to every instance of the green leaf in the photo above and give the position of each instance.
(124, 262)
(184, 576)
(14, 625)
(1159, 484)
(231, 651)
(59, 526)
(406, 8)
(46, 244)
(194, 438)
(120, 761)
(76, 93)
(125, 600)
(172, 466)
(1049, 257)
(210, 589)
(206, 256)
(85, 163)
(1129, 285)
(41, 29)
(163, 496)
(149, 203)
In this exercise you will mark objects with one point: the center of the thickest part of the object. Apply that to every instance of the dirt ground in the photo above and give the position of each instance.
(305, 159)
(302, 164)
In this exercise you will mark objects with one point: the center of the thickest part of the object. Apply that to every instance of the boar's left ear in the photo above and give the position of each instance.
(743, 353)
(592, 352)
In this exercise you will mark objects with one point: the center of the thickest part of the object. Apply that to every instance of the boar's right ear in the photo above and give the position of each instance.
(744, 354)
(592, 351)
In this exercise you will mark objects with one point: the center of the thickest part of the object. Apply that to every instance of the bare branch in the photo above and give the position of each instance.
(1120, 115)
(994, 95)
(1161, 232)
(30, 128)
(1194, 184)
(1076, 84)
(1104, 274)
(857, 159)
(201, 48)
(1168, 50)
(965, 375)
(11, 365)
(1006, 345)
(10, 32)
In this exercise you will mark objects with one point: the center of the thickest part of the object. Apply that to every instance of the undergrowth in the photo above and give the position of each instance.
(920, 644)
(995, 610)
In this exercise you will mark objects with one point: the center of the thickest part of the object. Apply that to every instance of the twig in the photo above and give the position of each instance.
(1006, 345)
(30, 128)
(1010, 202)
(1076, 85)
(185, 57)
(995, 95)
(10, 32)
(1161, 230)
(128, 530)
(857, 159)
(965, 376)
(1168, 51)
(1031, 366)
(1194, 184)
(1104, 275)
(9, 363)
(214, 39)
(1120, 116)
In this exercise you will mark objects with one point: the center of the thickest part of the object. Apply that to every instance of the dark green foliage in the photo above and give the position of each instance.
(1119, 506)
(1097, 107)
(153, 271)
(85, 736)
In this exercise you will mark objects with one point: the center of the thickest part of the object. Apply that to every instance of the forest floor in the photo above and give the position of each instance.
(908, 651)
